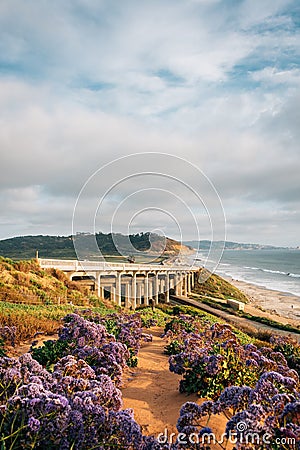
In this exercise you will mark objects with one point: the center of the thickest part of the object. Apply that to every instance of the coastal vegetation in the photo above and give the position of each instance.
(212, 285)
(24, 281)
(116, 245)
(66, 393)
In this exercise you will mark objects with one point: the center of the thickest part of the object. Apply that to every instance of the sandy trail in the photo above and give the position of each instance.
(152, 391)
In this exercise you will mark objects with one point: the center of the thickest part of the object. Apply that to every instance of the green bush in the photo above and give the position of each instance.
(49, 353)
(173, 348)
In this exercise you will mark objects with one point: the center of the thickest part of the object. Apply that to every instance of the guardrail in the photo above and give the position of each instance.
(75, 265)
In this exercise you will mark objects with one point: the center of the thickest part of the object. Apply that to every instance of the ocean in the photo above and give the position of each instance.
(277, 269)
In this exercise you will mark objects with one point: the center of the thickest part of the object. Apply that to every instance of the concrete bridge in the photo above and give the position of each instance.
(129, 285)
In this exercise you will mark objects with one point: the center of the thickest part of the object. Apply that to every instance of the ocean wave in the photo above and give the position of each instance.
(274, 271)
(279, 272)
(294, 275)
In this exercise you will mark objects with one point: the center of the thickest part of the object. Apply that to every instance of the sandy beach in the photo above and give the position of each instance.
(275, 303)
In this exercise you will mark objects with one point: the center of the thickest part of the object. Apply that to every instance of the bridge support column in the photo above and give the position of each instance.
(189, 290)
(150, 288)
(133, 291)
(167, 288)
(98, 284)
(146, 290)
(100, 289)
(184, 284)
(156, 291)
(173, 282)
(194, 278)
(127, 295)
(119, 288)
(113, 294)
(139, 294)
(178, 284)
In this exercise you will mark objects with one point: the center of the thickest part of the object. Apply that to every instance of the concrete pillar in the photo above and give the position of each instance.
(119, 288)
(146, 290)
(178, 284)
(133, 291)
(99, 284)
(156, 291)
(139, 294)
(189, 290)
(162, 285)
(173, 282)
(167, 287)
(150, 288)
(127, 295)
(184, 284)
(113, 294)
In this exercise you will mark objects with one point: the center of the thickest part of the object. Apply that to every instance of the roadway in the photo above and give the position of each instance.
(239, 322)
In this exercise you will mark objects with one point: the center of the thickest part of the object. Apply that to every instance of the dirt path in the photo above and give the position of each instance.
(151, 390)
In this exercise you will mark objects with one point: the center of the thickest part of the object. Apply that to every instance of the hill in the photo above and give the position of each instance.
(228, 245)
(62, 247)
(26, 282)
(215, 286)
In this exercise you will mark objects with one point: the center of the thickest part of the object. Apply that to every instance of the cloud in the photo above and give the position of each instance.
(84, 82)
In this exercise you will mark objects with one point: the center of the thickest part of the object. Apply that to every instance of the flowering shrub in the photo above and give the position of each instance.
(174, 347)
(262, 417)
(214, 359)
(127, 329)
(181, 323)
(90, 342)
(36, 417)
(290, 350)
(78, 404)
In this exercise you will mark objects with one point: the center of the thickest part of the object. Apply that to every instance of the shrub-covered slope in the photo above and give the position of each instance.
(25, 281)
(25, 247)
(217, 287)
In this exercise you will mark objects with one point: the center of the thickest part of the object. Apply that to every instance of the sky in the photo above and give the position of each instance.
(205, 92)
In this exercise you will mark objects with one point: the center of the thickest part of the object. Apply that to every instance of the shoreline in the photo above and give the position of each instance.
(271, 302)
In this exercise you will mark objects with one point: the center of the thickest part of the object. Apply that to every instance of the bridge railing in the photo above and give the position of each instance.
(75, 265)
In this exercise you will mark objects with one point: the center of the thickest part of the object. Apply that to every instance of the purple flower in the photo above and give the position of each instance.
(34, 424)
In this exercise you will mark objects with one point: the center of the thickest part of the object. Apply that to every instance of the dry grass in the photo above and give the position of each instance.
(29, 319)
(26, 282)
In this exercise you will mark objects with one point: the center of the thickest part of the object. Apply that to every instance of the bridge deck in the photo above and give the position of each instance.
(75, 265)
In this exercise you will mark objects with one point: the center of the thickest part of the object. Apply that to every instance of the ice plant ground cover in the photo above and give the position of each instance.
(66, 394)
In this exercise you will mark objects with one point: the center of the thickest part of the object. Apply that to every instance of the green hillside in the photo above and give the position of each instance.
(215, 286)
(62, 247)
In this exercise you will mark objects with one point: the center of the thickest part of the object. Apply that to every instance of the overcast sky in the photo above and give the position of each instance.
(216, 82)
